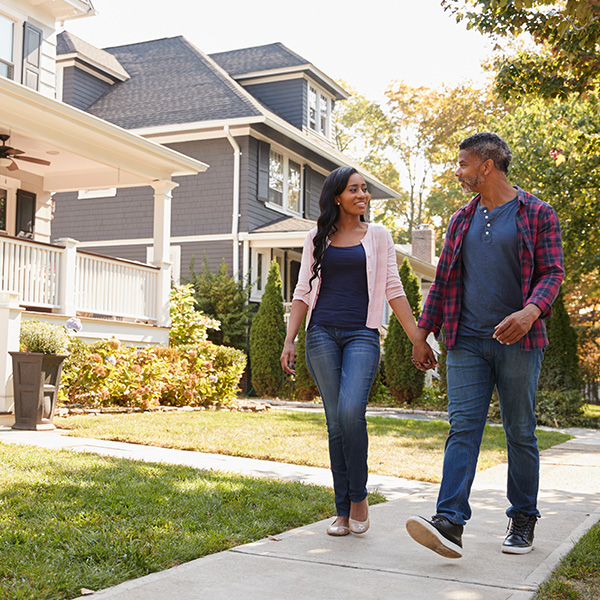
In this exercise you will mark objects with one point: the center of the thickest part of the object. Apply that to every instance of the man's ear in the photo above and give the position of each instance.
(488, 166)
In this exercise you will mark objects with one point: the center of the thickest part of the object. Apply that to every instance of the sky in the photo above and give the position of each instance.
(367, 44)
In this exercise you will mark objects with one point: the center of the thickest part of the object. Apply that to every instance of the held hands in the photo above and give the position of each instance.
(288, 356)
(512, 328)
(423, 356)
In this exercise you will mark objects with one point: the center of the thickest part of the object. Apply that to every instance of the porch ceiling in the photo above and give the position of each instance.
(85, 152)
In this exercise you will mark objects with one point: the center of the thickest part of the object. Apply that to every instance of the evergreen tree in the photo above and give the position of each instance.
(306, 388)
(406, 383)
(267, 335)
(560, 367)
(219, 296)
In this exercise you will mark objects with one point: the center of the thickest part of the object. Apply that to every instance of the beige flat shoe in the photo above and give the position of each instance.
(337, 530)
(359, 526)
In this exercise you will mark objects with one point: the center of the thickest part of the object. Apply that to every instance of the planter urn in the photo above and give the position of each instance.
(36, 377)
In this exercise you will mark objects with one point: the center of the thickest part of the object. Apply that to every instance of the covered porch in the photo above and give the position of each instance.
(57, 148)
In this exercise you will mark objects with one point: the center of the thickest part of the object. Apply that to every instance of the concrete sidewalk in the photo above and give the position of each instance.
(384, 563)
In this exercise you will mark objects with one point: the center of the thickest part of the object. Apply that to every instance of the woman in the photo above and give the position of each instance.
(348, 270)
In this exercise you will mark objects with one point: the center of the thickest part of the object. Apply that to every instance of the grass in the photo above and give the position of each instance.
(70, 521)
(578, 576)
(398, 447)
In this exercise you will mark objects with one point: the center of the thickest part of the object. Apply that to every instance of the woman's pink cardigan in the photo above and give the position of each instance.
(383, 280)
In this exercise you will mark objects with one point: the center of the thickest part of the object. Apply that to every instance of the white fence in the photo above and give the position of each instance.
(31, 269)
(121, 289)
(68, 281)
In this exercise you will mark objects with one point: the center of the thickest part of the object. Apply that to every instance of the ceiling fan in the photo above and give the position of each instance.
(8, 155)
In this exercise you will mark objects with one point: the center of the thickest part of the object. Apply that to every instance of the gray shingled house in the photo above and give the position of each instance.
(261, 118)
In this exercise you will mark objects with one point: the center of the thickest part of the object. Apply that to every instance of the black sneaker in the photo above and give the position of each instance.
(439, 534)
(520, 534)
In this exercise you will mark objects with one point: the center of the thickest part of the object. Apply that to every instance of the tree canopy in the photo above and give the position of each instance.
(564, 58)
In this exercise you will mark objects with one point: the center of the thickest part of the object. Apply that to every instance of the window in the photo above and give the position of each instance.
(6, 48)
(3, 202)
(259, 272)
(285, 182)
(320, 107)
(312, 108)
(276, 165)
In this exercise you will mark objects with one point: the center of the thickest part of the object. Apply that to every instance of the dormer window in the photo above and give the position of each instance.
(319, 111)
(7, 35)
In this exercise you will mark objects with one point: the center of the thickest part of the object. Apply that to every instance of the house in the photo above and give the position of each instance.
(261, 117)
(49, 147)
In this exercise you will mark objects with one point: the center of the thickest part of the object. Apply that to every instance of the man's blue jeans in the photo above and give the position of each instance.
(474, 367)
(343, 364)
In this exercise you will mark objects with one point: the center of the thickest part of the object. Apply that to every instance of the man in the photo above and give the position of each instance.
(499, 272)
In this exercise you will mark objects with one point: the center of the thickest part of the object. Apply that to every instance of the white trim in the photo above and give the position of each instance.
(77, 63)
(182, 239)
(196, 136)
(272, 78)
(197, 126)
(307, 67)
(174, 257)
(91, 194)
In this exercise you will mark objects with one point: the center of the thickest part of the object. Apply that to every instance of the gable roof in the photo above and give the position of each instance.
(258, 58)
(273, 59)
(172, 82)
(68, 44)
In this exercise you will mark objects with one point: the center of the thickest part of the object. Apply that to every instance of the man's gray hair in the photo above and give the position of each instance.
(488, 146)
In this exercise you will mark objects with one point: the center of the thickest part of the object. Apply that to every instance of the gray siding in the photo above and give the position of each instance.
(80, 89)
(203, 203)
(285, 98)
(317, 181)
(214, 252)
(128, 215)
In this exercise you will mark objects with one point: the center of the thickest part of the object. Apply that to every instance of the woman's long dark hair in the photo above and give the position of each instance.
(334, 185)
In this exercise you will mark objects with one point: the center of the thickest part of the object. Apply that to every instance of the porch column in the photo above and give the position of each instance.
(162, 247)
(10, 329)
(66, 281)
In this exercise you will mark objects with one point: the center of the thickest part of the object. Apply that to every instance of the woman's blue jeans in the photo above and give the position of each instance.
(343, 364)
(474, 367)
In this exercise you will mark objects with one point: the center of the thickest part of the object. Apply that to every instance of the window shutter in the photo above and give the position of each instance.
(262, 191)
(32, 50)
(25, 214)
(307, 191)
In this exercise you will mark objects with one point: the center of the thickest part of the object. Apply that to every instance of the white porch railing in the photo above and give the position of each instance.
(68, 281)
(31, 269)
(109, 287)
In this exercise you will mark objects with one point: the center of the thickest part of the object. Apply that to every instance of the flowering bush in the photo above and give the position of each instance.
(109, 373)
(44, 337)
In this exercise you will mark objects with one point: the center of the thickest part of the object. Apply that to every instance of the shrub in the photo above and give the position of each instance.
(40, 336)
(553, 409)
(306, 388)
(267, 335)
(188, 326)
(560, 367)
(220, 297)
(108, 373)
(405, 382)
(560, 409)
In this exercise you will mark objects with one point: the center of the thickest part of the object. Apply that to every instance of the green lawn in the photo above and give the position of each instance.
(398, 447)
(70, 521)
(578, 576)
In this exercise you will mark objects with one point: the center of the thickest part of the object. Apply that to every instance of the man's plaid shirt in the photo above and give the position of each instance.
(542, 270)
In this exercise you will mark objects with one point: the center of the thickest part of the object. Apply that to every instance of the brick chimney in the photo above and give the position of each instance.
(423, 243)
